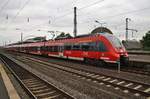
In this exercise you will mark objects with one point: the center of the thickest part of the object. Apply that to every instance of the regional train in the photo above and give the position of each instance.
(99, 48)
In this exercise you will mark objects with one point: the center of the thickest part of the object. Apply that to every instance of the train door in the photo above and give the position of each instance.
(61, 50)
(85, 49)
(38, 50)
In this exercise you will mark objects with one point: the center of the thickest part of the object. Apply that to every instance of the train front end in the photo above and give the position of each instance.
(117, 50)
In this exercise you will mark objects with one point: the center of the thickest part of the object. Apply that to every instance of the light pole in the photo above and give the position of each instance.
(75, 22)
(101, 23)
(127, 20)
(133, 30)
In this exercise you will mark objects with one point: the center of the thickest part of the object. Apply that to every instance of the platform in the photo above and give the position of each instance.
(139, 58)
(3, 91)
(7, 90)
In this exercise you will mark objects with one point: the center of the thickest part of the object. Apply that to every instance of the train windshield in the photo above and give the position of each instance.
(115, 41)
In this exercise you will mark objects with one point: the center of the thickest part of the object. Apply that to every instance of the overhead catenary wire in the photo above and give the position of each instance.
(117, 15)
(3, 7)
(113, 16)
(89, 6)
(25, 4)
(70, 12)
(86, 6)
(59, 17)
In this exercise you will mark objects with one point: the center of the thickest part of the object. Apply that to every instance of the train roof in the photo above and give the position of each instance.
(78, 39)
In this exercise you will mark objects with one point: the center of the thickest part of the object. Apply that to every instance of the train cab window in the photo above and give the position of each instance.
(102, 47)
(114, 41)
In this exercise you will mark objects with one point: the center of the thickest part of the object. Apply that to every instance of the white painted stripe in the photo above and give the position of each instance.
(108, 85)
(91, 75)
(101, 77)
(37, 91)
(106, 79)
(42, 94)
(53, 55)
(137, 94)
(52, 97)
(117, 88)
(95, 76)
(38, 87)
(113, 80)
(76, 58)
(32, 83)
(128, 84)
(88, 79)
(137, 87)
(101, 83)
(9, 86)
(126, 91)
(110, 61)
(147, 90)
(121, 82)
(95, 81)
(104, 58)
(83, 78)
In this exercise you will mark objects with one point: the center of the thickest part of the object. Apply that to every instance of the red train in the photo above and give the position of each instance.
(94, 48)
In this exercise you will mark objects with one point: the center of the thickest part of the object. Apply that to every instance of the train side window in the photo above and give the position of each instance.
(46, 48)
(49, 48)
(85, 46)
(76, 47)
(68, 47)
(43, 48)
(61, 48)
(39, 48)
(93, 46)
(55, 49)
(102, 47)
(52, 48)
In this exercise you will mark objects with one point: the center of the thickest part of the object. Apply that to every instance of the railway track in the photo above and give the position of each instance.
(130, 69)
(127, 86)
(136, 71)
(36, 87)
(133, 68)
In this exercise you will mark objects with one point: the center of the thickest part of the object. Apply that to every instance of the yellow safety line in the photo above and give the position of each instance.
(9, 86)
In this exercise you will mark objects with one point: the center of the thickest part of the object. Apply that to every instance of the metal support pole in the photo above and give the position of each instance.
(75, 22)
(127, 20)
(21, 38)
(126, 29)
(118, 66)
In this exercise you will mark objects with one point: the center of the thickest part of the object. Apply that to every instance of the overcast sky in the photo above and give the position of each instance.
(14, 15)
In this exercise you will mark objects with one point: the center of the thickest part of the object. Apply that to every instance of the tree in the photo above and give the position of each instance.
(63, 36)
(146, 40)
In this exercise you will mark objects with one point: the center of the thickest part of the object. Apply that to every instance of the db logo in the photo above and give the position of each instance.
(68, 52)
(85, 53)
